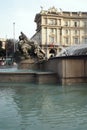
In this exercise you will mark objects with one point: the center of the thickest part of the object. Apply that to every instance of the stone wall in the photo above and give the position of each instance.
(28, 77)
(70, 70)
(17, 77)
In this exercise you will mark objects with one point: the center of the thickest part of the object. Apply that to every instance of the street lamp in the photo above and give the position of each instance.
(46, 44)
(14, 34)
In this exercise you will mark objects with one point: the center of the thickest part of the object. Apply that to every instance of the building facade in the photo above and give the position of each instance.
(3, 40)
(58, 29)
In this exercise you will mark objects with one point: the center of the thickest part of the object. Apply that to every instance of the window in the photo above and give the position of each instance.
(75, 24)
(52, 21)
(66, 40)
(66, 23)
(59, 22)
(76, 40)
(52, 30)
(76, 32)
(85, 40)
(51, 39)
(45, 21)
(85, 31)
(66, 31)
(85, 24)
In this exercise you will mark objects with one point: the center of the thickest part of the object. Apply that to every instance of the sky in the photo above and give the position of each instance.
(19, 15)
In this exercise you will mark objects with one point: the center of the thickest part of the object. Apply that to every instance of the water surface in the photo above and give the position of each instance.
(43, 107)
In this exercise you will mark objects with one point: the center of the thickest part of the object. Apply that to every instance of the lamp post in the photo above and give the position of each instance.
(46, 44)
(14, 34)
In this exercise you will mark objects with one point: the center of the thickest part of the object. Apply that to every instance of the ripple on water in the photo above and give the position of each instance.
(45, 107)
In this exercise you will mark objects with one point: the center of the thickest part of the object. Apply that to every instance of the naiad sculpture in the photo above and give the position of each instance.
(29, 49)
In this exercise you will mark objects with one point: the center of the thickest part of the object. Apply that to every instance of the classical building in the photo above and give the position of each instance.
(57, 29)
(3, 40)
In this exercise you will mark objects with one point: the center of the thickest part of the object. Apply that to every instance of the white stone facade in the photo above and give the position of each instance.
(56, 29)
(3, 40)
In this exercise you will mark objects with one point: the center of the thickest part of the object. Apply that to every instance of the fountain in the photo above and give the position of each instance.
(74, 50)
(69, 67)
(28, 55)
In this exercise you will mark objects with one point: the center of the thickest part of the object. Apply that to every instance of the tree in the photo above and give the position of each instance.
(9, 46)
(2, 51)
(0, 44)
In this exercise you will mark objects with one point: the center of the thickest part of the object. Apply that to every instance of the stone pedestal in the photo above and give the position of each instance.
(28, 64)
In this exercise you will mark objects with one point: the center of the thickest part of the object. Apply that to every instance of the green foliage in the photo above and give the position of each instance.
(0, 44)
(9, 46)
(2, 51)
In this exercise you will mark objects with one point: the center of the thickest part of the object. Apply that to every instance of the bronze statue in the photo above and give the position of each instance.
(29, 48)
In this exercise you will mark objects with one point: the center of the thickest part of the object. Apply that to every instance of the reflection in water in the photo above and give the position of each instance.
(35, 107)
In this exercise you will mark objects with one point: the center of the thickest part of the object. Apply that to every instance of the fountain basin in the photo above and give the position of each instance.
(28, 76)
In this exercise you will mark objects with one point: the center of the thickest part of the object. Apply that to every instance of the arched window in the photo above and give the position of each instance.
(52, 51)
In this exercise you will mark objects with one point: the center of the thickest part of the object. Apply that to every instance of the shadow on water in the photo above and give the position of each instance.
(45, 107)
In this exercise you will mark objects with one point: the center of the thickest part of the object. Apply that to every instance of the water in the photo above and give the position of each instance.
(16, 70)
(80, 49)
(43, 107)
